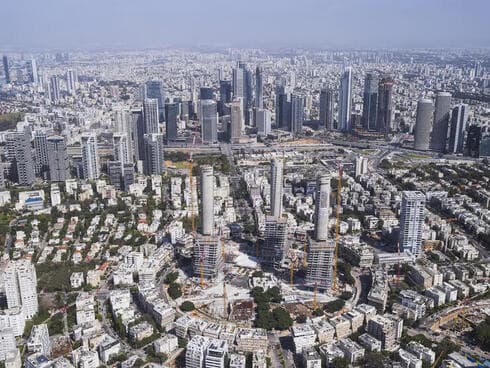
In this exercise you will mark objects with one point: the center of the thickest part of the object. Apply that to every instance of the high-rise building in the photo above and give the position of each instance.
(236, 121)
(297, 114)
(326, 109)
(242, 87)
(225, 91)
(283, 108)
(412, 221)
(71, 81)
(459, 118)
(172, 113)
(322, 207)
(124, 126)
(90, 157)
(370, 103)
(138, 130)
(6, 69)
(345, 101)
(275, 244)
(385, 330)
(154, 90)
(20, 282)
(121, 174)
(122, 151)
(473, 140)
(216, 354)
(385, 96)
(41, 164)
(20, 155)
(150, 115)
(54, 88)
(58, 163)
(196, 352)
(206, 93)
(207, 200)
(209, 121)
(423, 124)
(276, 187)
(259, 89)
(441, 122)
(8, 345)
(263, 122)
(320, 260)
(32, 71)
(154, 163)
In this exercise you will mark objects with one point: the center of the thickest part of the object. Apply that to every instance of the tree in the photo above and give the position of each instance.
(340, 363)
(301, 318)
(334, 305)
(171, 277)
(282, 318)
(318, 312)
(482, 334)
(187, 306)
(346, 295)
(174, 290)
(274, 294)
(372, 360)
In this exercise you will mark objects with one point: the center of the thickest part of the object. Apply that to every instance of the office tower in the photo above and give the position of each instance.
(41, 164)
(370, 103)
(20, 155)
(150, 115)
(322, 207)
(275, 241)
(58, 163)
(283, 108)
(123, 123)
(345, 101)
(209, 121)
(297, 114)
(441, 122)
(196, 352)
(242, 87)
(276, 187)
(412, 221)
(154, 163)
(326, 109)
(172, 112)
(423, 124)
(71, 81)
(473, 140)
(154, 90)
(236, 121)
(138, 129)
(320, 259)
(20, 282)
(259, 89)
(206, 93)
(121, 174)
(263, 122)
(54, 88)
(90, 157)
(385, 105)
(216, 353)
(122, 148)
(459, 119)
(207, 199)
(225, 91)
(32, 71)
(6, 70)
(238, 79)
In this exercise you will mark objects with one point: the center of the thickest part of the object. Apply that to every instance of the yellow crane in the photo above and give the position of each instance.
(337, 228)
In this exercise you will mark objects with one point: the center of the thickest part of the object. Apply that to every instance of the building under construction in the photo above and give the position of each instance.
(275, 241)
(320, 264)
(208, 258)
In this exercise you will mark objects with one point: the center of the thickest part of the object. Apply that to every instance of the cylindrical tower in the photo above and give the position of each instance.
(423, 124)
(441, 122)
(322, 207)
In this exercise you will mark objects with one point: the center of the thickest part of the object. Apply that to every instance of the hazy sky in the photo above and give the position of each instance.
(322, 23)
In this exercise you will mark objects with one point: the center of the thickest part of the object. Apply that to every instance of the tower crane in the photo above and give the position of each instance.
(225, 301)
(315, 292)
(337, 227)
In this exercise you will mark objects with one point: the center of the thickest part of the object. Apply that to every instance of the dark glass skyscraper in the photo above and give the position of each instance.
(441, 122)
(150, 115)
(473, 141)
(297, 114)
(206, 93)
(385, 92)
(172, 117)
(259, 97)
(6, 70)
(326, 109)
(459, 118)
(154, 89)
(370, 105)
(225, 91)
(283, 108)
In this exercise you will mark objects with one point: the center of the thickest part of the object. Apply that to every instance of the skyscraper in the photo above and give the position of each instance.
(6, 69)
(123, 122)
(20, 282)
(384, 114)
(411, 221)
(242, 87)
(320, 264)
(172, 112)
(41, 154)
(54, 88)
(122, 151)
(225, 91)
(150, 115)
(297, 114)
(138, 130)
(326, 109)
(423, 124)
(263, 122)
(345, 101)
(459, 118)
(207, 200)
(236, 121)
(276, 187)
(206, 93)
(154, 163)
(71, 81)
(121, 174)
(32, 71)
(259, 89)
(473, 141)
(275, 241)
(20, 154)
(209, 121)
(59, 165)
(322, 207)
(283, 108)
(441, 122)
(370, 103)
(90, 157)
(154, 90)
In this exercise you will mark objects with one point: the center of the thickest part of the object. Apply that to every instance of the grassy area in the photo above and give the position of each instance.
(56, 277)
(9, 120)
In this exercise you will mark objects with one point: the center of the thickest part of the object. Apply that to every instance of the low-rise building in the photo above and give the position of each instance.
(166, 344)
(353, 352)
(369, 342)
(303, 336)
(421, 352)
(342, 326)
(251, 339)
(409, 360)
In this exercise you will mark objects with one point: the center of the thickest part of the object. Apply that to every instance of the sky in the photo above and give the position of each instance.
(81, 24)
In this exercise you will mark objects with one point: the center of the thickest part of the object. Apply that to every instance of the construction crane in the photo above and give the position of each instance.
(201, 270)
(305, 251)
(225, 301)
(337, 228)
(315, 292)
